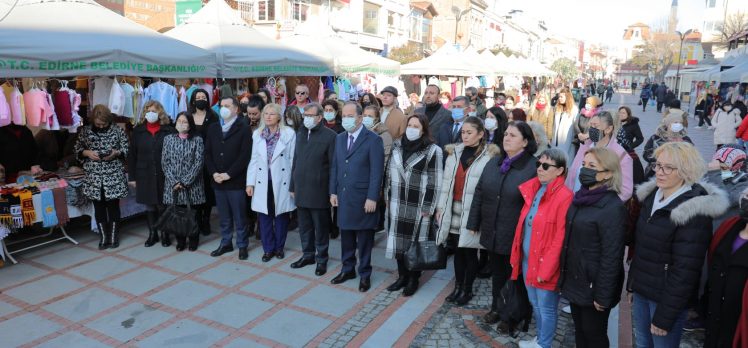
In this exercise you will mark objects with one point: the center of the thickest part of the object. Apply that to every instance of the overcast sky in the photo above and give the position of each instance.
(605, 20)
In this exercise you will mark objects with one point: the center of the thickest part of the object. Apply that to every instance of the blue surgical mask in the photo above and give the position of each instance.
(349, 124)
(368, 121)
(458, 114)
(329, 116)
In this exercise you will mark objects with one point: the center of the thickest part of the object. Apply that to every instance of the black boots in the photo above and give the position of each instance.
(412, 285)
(152, 232)
(465, 297)
(104, 236)
(193, 241)
(402, 279)
(203, 220)
(407, 280)
(165, 239)
(492, 317)
(114, 235)
(456, 293)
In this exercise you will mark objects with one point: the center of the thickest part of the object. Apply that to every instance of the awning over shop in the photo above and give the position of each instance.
(241, 50)
(446, 61)
(735, 73)
(41, 38)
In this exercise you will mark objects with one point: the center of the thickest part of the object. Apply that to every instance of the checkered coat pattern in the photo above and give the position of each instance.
(411, 188)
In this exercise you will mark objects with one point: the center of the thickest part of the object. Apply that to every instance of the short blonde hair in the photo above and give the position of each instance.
(277, 109)
(688, 160)
(163, 117)
(609, 161)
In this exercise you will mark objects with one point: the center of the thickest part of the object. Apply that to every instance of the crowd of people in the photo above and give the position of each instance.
(547, 197)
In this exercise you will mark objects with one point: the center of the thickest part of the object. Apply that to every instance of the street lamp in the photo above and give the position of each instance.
(458, 17)
(680, 55)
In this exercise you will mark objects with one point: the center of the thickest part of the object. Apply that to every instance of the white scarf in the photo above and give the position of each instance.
(227, 124)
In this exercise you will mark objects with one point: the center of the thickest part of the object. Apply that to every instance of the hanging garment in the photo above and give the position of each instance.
(191, 90)
(4, 112)
(37, 107)
(63, 107)
(52, 122)
(165, 94)
(128, 90)
(16, 104)
(117, 99)
(182, 100)
(102, 90)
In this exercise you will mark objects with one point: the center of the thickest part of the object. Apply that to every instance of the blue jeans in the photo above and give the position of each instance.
(232, 210)
(545, 308)
(644, 310)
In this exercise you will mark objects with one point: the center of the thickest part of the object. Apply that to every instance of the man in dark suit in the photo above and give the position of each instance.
(355, 184)
(228, 147)
(310, 186)
(450, 133)
(434, 109)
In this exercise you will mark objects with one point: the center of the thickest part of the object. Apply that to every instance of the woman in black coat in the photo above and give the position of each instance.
(501, 178)
(631, 137)
(728, 280)
(592, 257)
(204, 116)
(144, 165)
(671, 238)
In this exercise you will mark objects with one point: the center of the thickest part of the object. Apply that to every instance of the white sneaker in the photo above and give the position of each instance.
(530, 344)
(566, 309)
(698, 127)
(710, 127)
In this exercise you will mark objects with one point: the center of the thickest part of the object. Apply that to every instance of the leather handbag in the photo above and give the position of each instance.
(425, 255)
(180, 221)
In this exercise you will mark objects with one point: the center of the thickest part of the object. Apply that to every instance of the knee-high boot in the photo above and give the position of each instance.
(114, 235)
(151, 217)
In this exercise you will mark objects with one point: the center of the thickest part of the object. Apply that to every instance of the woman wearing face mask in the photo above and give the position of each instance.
(670, 130)
(445, 98)
(182, 164)
(542, 113)
(369, 99)
(102, 148)
(672, 236)
(602, 133)
(496, 123)
(462, 170)
(293, 118)
(144, 165)
(630, 138)
(592, 254)
(331, 114)
(243, 103)
(373, 122)
(727, 170)
(203, 116)
(411, 188)
(727, 286)
(592, 107)
(725, 121)
(268, 176)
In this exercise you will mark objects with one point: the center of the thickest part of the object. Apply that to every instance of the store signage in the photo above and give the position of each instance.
(185, 9)
(124, 66)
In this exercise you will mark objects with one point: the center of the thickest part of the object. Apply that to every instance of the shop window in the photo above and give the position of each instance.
(266, 10)
(371, 18)
(300, 9)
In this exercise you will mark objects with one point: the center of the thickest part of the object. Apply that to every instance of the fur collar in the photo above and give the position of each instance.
(713, 204)
(492, 150)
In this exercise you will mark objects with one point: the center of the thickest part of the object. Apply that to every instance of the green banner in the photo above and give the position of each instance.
(185, 9)
(93, 66)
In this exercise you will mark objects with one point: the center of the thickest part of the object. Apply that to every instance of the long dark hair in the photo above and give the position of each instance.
(424, 121)
(480, 127)
(373, 100)
(501, 123)
(209, 111)
(190, 122)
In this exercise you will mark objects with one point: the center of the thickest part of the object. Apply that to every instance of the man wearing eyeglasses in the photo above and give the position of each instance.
(302, 97)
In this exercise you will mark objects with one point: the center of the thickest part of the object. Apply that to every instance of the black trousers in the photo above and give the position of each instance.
(659, 105)
(106, 211)
(466, 267)
(590, 326)
(314, 230)
(501, 270)
(703, 118)
(644, 104)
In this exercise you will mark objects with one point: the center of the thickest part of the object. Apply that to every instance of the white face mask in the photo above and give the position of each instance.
(151, 116)
(588, 106)
(368, 122)
(289, 122)
(491, 123)
(472, 113)
(329, 116)
(309, 122)
(676, 127)
(349, 124)
(412, 134)
(225, 113)
(182, 128)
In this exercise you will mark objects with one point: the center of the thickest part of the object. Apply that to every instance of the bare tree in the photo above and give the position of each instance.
(735, 23)
(658, 53)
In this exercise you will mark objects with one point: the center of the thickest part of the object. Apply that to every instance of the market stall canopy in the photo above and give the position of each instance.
(55, 38)
(317, 39)
(708, 75)
(241, 50)
(446, 61)
(735, 73)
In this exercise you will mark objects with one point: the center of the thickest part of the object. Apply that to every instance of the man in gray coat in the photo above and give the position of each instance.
(310, 186)
(434, 109)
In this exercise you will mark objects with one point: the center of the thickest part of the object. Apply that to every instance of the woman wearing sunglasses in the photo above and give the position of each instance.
(538, 239)
(592, 257)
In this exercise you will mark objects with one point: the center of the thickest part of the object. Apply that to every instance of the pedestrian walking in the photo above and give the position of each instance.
(411, 189)
(672, 236)
(538, 239)
(182, 165)
(355, 186)
(592, 257)
(269, 177)
(228, 147)
(144, 167)
(609, 94)
(593, 106)
(725, 121)
(564, 119)
(644, 97)
(660, 92)
(310, 187)
(102, 148)
(704, 106)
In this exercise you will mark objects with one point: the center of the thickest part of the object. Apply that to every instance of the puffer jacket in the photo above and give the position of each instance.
(725, 126)
(671, 245)
(592, 256)
(444, 205)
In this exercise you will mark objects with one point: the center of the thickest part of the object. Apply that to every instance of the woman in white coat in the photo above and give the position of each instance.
(726, 120)
(462, 170)
(268, 177)
(564, 119)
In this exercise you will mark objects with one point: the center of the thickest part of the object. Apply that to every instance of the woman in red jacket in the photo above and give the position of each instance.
(539, 239)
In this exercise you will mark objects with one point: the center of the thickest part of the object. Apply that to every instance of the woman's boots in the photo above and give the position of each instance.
(492, 317)
(103, 236)
(114, 235)
(151, 217)
(191, 242)
(406, 280)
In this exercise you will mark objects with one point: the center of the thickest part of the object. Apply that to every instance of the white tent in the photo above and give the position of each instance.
(708, 75)
(242, 51)
(446, 61)
(317, 39)
(48, 38)
(733, 74)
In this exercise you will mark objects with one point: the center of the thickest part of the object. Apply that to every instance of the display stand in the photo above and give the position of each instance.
(9, 254)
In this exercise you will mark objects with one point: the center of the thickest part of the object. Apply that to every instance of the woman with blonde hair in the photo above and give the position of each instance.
(144, 165)
(671, 129)
(564, 119)
(595, 230)
(542, 112)
(268, 177)
(672, 236)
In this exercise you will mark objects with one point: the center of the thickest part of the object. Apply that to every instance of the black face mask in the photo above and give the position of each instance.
(744, 208)
(594, 134)
(201, 104)
(243, 107)
(587, 177)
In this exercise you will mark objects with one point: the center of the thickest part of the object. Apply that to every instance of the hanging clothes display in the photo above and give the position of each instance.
(128, 90)
(165, 94)
(38, 110)
(137, 100)
(101, 90)
(4, 112)
(117, 99)
(52, 123)
(191, 90)
(182, 100)
(15, 101)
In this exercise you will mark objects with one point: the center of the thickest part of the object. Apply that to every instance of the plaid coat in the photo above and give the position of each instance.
(411, 189)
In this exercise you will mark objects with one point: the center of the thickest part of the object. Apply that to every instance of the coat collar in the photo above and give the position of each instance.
(286, 136)
(704, 199)
(531, 187)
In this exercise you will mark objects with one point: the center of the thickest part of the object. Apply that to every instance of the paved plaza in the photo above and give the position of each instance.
(64, 295)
